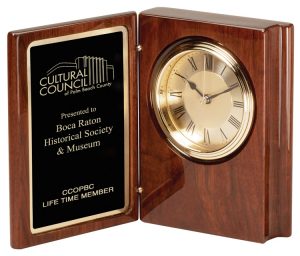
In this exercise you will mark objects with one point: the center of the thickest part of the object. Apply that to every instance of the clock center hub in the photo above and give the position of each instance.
(203, 110)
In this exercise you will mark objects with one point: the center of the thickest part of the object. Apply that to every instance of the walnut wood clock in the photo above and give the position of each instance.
(215, 125)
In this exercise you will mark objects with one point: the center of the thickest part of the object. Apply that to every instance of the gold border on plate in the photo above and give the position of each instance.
(126, 123)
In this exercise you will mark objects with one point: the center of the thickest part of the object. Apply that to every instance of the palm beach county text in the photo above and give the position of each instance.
(71, 134)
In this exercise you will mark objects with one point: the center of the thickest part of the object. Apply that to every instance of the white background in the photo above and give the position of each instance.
(139, 238)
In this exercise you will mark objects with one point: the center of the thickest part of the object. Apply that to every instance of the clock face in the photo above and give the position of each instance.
(202, 99)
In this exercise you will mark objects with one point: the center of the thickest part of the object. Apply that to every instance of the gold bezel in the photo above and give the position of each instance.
(126, 124)
(176, 138)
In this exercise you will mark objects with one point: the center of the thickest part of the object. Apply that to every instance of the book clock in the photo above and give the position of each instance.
(215, 125)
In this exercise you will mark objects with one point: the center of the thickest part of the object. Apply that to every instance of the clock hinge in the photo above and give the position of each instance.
(139, 189)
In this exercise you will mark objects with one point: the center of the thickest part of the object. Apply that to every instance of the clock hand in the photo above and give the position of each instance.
(210, 97)
(191, 84)
(194, 87)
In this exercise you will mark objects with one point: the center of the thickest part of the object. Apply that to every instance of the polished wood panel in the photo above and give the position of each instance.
(247, 196)
(18, 42)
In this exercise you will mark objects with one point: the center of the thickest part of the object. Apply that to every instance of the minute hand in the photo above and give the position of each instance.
(209, 97)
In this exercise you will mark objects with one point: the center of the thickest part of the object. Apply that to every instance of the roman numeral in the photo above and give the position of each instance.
(236, 123)
(161, 91)
(176, 94)
(238, 104)
(191, 127)
(206, 136)
(179, 112)
(208, 62)
(193, 64)
(222, 71)
(222, 132)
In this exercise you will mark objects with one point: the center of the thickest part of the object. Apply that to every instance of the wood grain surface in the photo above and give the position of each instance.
(247, 196)
(18, 42)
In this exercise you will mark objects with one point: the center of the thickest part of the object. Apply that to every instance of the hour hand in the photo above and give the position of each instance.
(194, 87)
(191, 84)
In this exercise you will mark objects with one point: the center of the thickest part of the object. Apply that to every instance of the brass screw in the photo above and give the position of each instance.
(140, 190)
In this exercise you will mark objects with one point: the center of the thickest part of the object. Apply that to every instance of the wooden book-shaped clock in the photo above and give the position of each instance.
(211, 147)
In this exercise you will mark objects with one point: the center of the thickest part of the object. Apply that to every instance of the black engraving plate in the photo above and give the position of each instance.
(78, 130)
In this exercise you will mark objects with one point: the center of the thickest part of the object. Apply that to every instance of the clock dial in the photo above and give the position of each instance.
(203, 101)
(195, 90)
